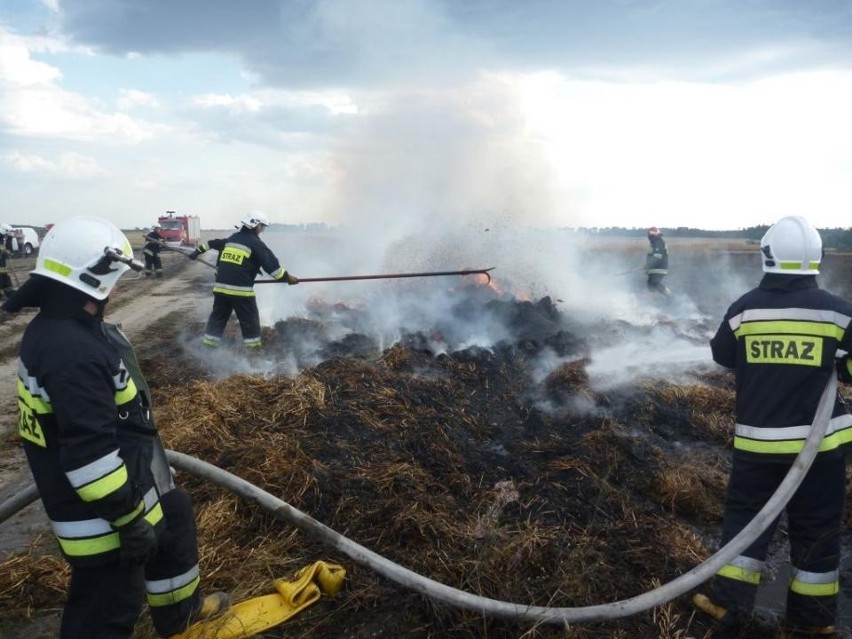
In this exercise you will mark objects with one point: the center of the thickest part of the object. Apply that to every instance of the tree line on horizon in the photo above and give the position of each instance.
(836, 238)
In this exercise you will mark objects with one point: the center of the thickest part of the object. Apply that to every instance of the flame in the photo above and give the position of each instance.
(483, 280)
(523, 296)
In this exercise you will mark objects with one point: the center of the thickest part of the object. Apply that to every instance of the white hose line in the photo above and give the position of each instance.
(541, 614)
(18, 501)
(186, 252)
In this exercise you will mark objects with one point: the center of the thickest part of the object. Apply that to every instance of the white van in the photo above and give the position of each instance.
(24, 240)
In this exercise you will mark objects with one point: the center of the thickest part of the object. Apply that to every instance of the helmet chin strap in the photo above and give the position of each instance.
(94, 307)
(100, 307)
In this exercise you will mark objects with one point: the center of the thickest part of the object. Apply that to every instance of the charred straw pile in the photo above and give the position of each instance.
(457, 466)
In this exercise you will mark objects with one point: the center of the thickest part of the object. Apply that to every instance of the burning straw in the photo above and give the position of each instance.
(444, 464)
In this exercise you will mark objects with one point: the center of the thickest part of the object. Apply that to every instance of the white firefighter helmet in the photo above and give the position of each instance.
(254, 219)
(791, 246)
(86, 253)
(5, 229)
(156, 225)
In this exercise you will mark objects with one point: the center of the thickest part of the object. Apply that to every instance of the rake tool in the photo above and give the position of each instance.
(386, 276)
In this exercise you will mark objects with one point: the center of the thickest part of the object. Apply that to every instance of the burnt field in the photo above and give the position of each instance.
(513, 446)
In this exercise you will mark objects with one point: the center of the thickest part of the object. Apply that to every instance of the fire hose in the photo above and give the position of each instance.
(185, 251)
(491, 607)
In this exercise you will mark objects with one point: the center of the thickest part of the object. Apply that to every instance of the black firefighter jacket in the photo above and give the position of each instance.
(153, 243)
(657, 259)
(782, 338)
(241, 257)
(88, 434)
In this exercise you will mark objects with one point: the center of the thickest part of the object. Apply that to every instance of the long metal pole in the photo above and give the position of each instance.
(633, 270)
(384, 276)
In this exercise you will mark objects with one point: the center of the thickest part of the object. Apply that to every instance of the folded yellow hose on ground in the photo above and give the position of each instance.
(253, 616)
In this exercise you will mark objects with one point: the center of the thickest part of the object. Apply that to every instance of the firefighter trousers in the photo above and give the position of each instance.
(153, 264)
(104, 601)
(814, 516)
(247, 314)
(655, 283)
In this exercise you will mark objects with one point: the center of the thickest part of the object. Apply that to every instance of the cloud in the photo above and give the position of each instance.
(719, 156)
(272, 118)
(69, 165)
(411, 116)
(33, 104)
(130, 99)
(335, 102)
(323, 43)
(380, 42)
(16, 66)
(234, 104)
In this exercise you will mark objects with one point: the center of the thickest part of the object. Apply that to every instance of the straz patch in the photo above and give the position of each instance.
(28, 426)
(233, 256)
(783, 349)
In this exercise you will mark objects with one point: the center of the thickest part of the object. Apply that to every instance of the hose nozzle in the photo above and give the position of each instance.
(117, 256)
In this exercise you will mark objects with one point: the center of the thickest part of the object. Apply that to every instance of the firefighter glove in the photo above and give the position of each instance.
(194, 255)
(291, 279)
(138, 542)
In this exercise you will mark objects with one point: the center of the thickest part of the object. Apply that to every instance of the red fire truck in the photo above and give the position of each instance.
(180, 230)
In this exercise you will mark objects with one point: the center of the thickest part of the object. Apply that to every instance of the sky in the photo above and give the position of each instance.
(394, 115)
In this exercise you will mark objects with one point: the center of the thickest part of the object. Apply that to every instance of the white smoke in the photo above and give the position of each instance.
(431, 184)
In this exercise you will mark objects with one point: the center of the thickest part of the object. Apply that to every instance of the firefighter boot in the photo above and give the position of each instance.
(725, 622)
(211, 606)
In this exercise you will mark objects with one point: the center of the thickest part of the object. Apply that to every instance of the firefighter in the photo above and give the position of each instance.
(90, 439)
(241, 257)
(784, 339)
(5, 281)
(153, 246)
(657, 261)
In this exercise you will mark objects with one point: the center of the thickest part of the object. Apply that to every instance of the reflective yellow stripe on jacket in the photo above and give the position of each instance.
(237, 291)
(93, 481)
(815, 584)
(791, 439)
(793, 336)
(95, 536)
(166, 592)
(32, 402)
(799, 321)
(742, 568)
